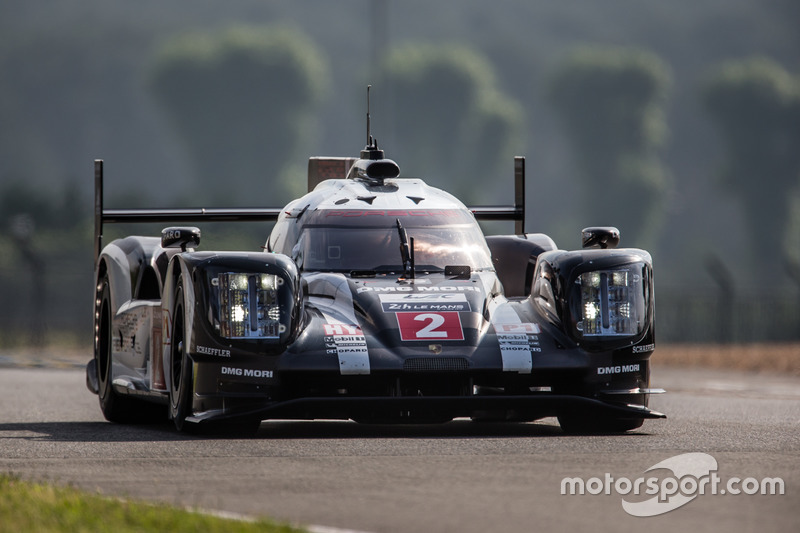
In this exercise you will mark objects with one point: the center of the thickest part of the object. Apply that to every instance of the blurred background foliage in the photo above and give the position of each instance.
(447, 119)
(244, 102)
(755, 104)
(677, 122)
(611, 101)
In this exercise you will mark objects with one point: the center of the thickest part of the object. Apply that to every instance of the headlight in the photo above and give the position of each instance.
(613, 302)
(249, 306)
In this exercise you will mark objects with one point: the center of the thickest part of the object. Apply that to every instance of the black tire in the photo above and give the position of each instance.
(181, 386)
(181, 383)
(116, 407)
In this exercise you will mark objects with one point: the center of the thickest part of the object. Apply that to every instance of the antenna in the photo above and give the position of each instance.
(369, 134)
(371, 150)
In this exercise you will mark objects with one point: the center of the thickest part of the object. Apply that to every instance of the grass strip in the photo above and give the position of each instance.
(47, 508)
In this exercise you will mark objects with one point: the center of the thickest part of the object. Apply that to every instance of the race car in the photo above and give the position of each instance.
(375, 298)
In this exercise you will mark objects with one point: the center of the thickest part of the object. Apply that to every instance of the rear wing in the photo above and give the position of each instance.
(319, 169)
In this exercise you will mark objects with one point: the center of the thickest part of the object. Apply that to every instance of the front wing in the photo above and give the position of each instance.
(416, 409)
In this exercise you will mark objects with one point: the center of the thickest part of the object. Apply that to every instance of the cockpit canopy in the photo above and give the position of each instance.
(334, 240)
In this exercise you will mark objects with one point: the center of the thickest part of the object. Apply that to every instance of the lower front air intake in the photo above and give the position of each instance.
(435, 364)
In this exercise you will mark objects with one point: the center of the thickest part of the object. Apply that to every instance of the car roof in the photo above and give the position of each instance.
(403, 194)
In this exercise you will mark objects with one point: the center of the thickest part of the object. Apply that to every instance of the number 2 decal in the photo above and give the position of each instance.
(430, 330)
(444, 326)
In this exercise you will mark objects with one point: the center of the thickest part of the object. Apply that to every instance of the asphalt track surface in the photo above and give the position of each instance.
(461, 476)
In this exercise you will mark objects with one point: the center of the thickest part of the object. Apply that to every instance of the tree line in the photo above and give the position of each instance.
(243, 101)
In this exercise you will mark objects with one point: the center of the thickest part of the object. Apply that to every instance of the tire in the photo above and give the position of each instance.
(181, 389)
(181, 386)
(116, 407)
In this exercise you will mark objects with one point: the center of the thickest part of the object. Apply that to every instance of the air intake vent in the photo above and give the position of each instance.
(435, 364)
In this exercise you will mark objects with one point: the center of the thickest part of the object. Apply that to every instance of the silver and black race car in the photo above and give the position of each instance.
(378, 299)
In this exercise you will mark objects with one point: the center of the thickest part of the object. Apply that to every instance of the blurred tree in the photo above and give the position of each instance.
(450, 122)
(755, 105)
(46, 208)
(25, 210)
(21, 198)
(790, 240)
(243, 101)
(611, 101)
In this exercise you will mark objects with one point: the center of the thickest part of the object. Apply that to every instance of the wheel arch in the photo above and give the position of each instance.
(514, 258)
(114, 265)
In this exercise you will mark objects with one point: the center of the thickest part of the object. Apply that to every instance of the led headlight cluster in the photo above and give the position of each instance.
(249, 306)
(612, 302)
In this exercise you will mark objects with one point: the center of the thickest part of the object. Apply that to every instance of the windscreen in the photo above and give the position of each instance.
(346, 247)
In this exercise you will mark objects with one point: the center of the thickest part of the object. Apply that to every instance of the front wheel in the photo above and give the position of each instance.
(181, 390)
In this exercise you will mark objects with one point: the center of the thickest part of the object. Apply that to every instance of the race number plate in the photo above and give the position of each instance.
(445, 326)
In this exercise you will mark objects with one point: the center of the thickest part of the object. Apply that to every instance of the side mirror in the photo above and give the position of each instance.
(600, 237)
(180, 237)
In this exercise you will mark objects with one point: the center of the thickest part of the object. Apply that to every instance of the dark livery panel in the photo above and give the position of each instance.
(377, 299)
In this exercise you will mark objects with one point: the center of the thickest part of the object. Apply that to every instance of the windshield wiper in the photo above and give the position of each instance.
(406, 251)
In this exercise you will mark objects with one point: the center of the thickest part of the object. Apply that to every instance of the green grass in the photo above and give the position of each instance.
(46, 508)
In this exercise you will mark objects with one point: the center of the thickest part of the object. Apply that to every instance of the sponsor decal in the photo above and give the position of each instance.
(348, 343)
(413, 288)
(157, 363)
(517, 348)
(344, 339)
(246, 372)
(166, 327)
(444, 326)
(342, 329)
(129, 324)
(526, 327)
(132, 338)
(674, 482)
(424, 301)
(517, 340)
(643, 348)
(171, 234)
(205, 350)
(619, 369)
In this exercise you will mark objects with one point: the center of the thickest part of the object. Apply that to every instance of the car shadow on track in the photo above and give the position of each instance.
(88, 432)
(457, 429)
(335, 429)
(283, 430)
